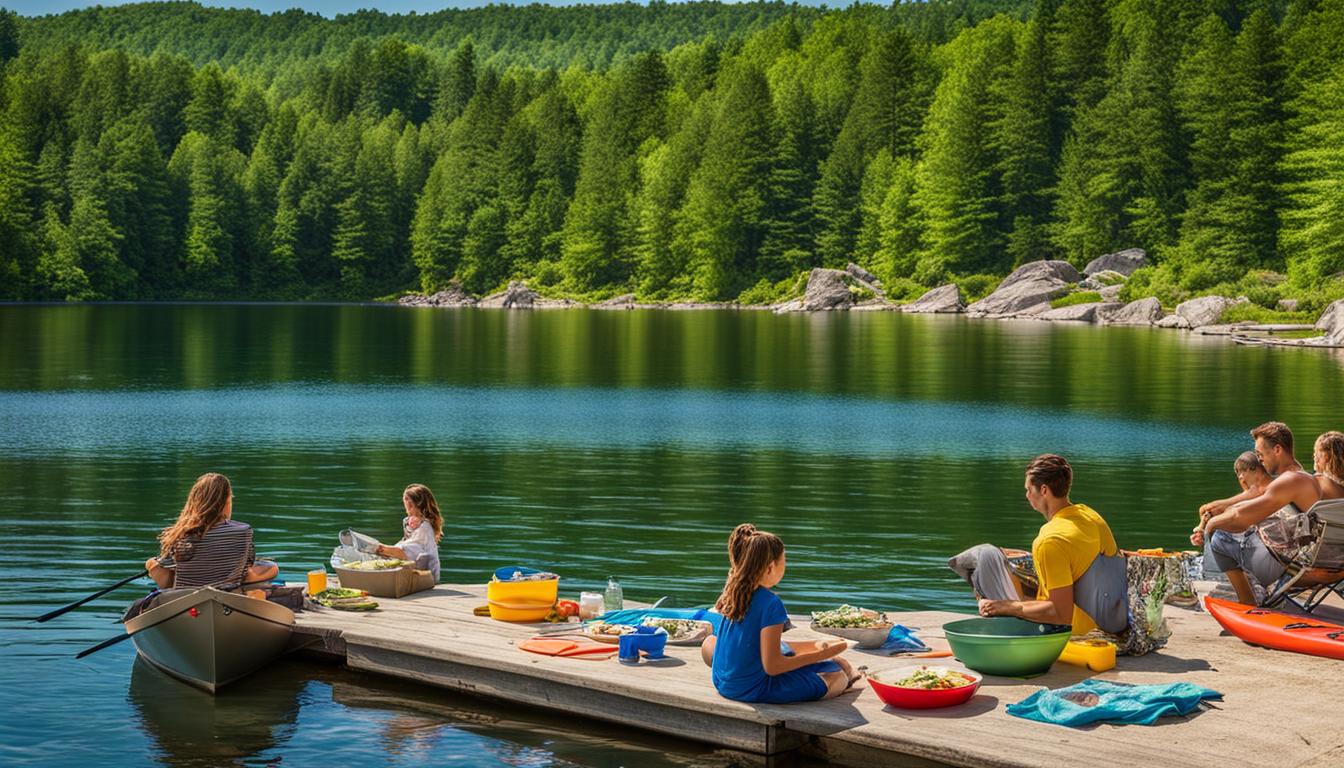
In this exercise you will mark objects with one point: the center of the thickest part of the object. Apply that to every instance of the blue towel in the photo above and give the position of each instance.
(902, 639)
(1098, 701)
(506, 572)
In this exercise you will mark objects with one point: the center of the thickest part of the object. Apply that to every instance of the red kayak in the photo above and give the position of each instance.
(1275, 629)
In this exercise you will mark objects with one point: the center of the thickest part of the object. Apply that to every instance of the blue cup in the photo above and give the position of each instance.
(628, 648)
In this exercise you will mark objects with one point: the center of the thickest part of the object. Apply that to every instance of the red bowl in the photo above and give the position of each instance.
(920, 698)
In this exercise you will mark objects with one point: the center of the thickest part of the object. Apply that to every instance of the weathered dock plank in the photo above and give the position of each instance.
(1275, 703)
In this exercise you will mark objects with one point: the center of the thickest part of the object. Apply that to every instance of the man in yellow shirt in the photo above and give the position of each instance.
(1078, 567)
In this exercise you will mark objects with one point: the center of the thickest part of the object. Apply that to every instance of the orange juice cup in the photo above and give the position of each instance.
(317, 580)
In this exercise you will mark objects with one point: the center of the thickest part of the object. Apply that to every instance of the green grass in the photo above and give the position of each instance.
(1080, 297)
(1254, 313)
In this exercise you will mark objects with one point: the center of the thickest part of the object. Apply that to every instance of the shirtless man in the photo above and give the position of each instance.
(1292, 489)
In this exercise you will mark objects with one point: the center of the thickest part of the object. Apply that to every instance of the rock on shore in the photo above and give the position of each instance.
(1125, 262)
(452, 296)
(837, 289)
(1028, 290)
(1142, 312)
(943, 299)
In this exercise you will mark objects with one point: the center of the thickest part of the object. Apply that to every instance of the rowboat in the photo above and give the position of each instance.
(209, 638)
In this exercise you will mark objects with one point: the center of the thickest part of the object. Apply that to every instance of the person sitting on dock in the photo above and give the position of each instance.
(1080, 573)
(1253, 478)
(206, 545)
(1292, 491)
(748, 661)
(421, 530)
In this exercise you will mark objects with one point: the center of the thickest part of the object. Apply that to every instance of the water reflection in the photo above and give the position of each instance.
(192, 728)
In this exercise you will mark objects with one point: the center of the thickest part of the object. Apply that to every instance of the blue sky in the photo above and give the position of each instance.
(39, 7)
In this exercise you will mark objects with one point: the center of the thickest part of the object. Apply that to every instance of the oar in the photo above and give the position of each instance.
(94, 596)
(106, 643)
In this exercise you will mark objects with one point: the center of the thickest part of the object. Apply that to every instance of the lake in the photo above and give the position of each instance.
(590, 443)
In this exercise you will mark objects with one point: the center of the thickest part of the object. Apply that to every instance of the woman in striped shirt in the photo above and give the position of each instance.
(206, 546)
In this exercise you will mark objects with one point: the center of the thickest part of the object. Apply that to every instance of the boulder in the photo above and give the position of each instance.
(1173, 321)
(1205, 310)
(944, 298)
(516, 296)
(1028, 288)
(863, 275)
(1106, 278)
(1059, 270)
(1080, 313)
(1142, 312)
(624, 301)
(1110, 293)
(1287, 305)
(452, 296)
(1124, 262)
(1332, 322)
(830, 289)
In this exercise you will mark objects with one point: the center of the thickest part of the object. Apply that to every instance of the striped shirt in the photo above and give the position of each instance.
(219, 558)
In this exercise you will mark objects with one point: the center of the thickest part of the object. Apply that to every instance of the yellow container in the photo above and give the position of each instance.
(521, 600)
(1096, 655)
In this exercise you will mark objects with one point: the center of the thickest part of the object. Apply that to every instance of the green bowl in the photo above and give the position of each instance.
(1005, 646)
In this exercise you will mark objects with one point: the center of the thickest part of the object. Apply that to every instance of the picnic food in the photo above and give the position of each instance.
(377, 565)
(609, 630)
(678, 629)
(849, 617)
(934, 679)
(345, 599)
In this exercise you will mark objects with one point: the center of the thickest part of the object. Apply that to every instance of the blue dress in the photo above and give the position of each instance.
(737, 670)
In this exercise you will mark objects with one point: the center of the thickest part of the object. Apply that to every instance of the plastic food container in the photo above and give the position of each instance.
(864, 637)
(1006, 646)
(522, 600)
(394, 582)
(1096, 655)
(920, 698)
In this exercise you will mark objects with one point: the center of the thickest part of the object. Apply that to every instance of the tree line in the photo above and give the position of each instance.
(714, 152)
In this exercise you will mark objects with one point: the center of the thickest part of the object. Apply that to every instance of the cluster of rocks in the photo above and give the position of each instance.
(1026, 293)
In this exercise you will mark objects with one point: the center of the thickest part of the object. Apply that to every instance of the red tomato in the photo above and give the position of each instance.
(567, 608)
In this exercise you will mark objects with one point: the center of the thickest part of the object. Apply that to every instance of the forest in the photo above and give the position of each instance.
(698, 151)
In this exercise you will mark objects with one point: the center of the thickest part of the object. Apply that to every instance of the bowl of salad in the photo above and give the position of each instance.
(924, 687)
(867, 628)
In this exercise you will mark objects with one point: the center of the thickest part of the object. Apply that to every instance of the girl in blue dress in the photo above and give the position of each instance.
(748, 661)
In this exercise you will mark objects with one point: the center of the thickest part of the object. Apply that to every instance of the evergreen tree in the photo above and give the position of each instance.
(1023, 139)
(787, 247)
(885, 114)
(958, 183)
(598, 231)
(723, 224)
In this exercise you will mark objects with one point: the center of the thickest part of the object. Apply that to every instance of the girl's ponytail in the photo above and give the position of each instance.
(750, 554)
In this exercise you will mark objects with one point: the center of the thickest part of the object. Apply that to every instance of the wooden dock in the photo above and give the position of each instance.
(1279, 708)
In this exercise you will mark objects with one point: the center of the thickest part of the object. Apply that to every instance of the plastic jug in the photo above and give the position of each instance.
(612, 599)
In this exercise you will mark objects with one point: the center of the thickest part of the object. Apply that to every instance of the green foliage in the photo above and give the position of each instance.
(765, 292)
(976, 287)
(1077, 297)
(679, 151)
(1254, 313)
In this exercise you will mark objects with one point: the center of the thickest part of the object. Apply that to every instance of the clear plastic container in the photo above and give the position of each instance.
(612, 598)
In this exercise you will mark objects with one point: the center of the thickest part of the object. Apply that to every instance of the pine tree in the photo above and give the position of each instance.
(958, 184)
(885, 114)
(1313, 219)
(723, 223)
(1023, 138)
(207, 113)
(599, 227)
(787, 247)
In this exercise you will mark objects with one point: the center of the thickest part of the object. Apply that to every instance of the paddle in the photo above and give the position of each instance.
(96, 595)
(106, 643)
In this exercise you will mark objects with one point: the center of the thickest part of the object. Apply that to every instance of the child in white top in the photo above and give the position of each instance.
(421, 530)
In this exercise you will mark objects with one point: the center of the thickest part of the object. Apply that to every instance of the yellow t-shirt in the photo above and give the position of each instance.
(1065, 549)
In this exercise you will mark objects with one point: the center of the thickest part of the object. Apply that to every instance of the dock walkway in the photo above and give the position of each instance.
(1279, 708)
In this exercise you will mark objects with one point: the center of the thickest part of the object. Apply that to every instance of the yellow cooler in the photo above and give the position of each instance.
(522, 600)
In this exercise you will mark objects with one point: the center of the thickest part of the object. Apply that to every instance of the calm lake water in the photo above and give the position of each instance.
(590, 443)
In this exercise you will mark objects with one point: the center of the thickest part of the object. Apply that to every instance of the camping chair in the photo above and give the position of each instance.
(1319, 572)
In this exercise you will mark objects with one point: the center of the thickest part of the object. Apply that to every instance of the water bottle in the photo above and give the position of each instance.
(612, 598)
